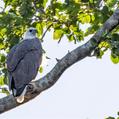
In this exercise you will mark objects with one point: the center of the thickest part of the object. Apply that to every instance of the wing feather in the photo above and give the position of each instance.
(16, 54)
(23, 62)
(27, 69)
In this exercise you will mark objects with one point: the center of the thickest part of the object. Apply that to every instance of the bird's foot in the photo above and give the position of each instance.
(30, 87)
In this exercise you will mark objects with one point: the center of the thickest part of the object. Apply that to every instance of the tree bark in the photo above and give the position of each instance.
(36, 87)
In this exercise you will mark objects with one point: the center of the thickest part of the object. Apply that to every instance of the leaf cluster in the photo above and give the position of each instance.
(110, 117)
(63, 18)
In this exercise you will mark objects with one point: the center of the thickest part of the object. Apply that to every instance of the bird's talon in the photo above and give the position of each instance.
(30, 87)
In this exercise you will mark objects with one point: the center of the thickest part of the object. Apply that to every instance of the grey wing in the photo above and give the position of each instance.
(11, 53)
(27, 68)
(9, 59)
(17, 53)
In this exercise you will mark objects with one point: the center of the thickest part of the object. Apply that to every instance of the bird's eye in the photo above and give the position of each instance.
(30, 30)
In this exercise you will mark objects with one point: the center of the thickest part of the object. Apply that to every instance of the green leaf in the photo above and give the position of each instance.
(44, 3)
(2, 81)
(114, 59)
(115, 36)
(111, 3)
(101, 53)
(91, 1)
(84, 18)
(4, 90)
(2, 46)
(103, 44)
(57, 34)
(70, 37)
(41, 69)
(110, 118)
(105, 9)
(39, 28)
(73, 28)
(2, 58)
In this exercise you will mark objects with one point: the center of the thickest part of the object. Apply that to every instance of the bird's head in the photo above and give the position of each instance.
(30, 33)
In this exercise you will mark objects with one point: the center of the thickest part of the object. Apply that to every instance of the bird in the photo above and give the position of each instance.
(23, 62)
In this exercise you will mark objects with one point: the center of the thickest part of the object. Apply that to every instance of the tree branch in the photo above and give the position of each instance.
(46, 31)
(9, 102)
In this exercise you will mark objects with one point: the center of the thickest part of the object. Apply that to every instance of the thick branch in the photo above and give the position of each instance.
(72, 57)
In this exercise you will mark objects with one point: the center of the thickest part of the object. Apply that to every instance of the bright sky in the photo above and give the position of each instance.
(87, 90)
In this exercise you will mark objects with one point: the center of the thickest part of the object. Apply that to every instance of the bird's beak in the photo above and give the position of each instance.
(35, 31)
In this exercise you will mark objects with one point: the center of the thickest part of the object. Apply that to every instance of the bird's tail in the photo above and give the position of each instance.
(19, 98)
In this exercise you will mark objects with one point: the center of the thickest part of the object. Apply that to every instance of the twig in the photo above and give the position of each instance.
(60, 38)
(46, 32)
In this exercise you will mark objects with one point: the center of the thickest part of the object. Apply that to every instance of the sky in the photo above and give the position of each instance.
(86, 90)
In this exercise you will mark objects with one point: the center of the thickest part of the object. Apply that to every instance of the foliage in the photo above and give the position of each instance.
(113, 117)
(64, 18)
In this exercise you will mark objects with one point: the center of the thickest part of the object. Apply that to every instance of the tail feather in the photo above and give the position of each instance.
(18, 95)
(20, 99)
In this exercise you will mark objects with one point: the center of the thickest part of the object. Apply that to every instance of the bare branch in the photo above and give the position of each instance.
(60, 38)
(9, 102)
(46, 31)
